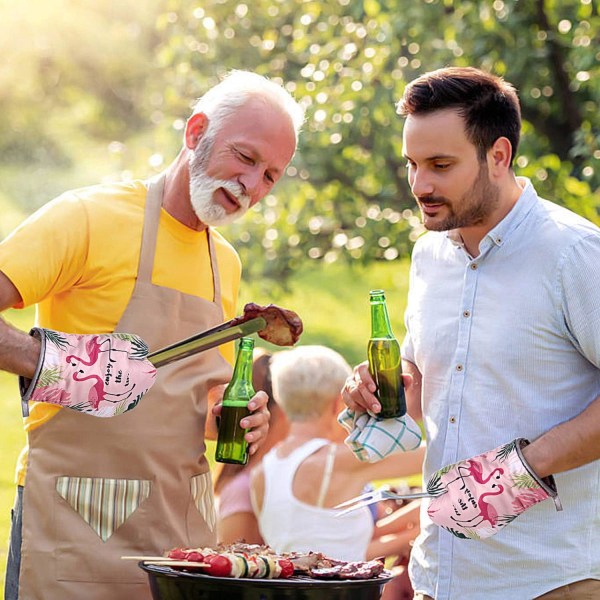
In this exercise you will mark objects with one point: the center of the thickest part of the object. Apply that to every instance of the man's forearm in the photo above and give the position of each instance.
(19, 352)
(568, 445)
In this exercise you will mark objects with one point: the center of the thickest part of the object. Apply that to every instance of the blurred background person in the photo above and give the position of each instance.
(393, 537)
(235, 518)
(303, 477)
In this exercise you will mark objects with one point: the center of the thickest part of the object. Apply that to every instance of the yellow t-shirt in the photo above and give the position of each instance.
(77, 257)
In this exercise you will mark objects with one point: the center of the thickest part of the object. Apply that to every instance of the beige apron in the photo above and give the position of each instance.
(98, 489)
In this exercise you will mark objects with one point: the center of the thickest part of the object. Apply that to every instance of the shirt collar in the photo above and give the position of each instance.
(502, 231)
(526, 201)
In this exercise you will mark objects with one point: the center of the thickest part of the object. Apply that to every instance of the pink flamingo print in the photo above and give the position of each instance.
(93, 349)
(97, 393)
(487, 511)
(475, 470)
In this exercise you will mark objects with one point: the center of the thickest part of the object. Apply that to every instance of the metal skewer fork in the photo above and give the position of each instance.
(375, 496)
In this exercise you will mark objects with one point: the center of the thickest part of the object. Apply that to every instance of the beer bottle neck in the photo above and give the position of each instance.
(380, 321)
(241, 380)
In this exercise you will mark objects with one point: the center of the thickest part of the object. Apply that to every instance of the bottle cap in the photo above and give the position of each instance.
(375, 294)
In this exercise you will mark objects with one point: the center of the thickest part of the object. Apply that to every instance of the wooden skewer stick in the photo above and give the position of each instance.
(176, 563)
(146, 558)
(165, 561)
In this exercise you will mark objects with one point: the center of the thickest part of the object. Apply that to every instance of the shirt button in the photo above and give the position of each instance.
(466, 314)
(459, 367)
(474, 266)
(452, 419)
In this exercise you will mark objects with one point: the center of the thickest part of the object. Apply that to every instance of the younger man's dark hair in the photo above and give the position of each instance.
(488, 104)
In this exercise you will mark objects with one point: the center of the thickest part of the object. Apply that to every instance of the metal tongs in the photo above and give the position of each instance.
(376, 496)
(221, 334)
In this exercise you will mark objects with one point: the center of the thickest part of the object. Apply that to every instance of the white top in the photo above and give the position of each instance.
(287, 524)
(508, 344)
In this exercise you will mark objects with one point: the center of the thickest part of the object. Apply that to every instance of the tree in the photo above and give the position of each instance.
(348, 61)
(106, 89)
(75, 77)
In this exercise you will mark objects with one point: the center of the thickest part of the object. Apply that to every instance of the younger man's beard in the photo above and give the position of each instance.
(473, 208)
(202, 188)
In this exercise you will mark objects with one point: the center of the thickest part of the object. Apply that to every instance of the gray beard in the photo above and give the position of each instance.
(203, 187)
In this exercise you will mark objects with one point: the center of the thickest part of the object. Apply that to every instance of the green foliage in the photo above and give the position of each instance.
(105, 91)
(75, 79)
(506, 519)
(49, 376)
(12, 215)
(58, 339)
(525, 481)
(346, 198)
(472, 534)
(435, 486)
(505, 451)
(139, 348)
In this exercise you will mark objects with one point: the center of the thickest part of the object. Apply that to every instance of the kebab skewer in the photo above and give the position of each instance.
(235, 564)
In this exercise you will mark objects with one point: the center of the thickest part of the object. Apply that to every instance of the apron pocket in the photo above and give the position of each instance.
(202, 494)
(104, 504)
(89, 504)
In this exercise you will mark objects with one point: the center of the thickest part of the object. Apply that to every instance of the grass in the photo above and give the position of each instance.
(331, 299)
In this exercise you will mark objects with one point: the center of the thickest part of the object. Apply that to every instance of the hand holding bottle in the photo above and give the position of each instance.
(256, 424)
(361, 392)
(358, 392)
(244, 417)
(384, 359)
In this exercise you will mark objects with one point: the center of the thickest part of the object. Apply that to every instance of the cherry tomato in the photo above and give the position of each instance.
(195, 556)
(218, 566)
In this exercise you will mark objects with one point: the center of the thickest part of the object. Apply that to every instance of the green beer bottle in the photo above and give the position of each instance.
(231, 445)
(385, 360)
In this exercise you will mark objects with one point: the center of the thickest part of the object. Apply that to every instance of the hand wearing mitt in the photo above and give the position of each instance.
(475, 498)
(102, 375)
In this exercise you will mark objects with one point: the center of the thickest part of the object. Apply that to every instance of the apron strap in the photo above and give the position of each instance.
(154, 197)
(214, 267)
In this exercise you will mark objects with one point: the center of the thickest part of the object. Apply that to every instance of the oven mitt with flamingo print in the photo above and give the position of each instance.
(475, 498)
(102, 374)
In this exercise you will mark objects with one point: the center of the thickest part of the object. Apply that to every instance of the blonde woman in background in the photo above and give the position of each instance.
(236, 520)
(301, 479)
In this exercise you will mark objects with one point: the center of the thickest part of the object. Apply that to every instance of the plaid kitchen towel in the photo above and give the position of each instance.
(372, 438)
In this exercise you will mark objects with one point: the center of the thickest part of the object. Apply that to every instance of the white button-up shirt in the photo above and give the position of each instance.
(508, 344)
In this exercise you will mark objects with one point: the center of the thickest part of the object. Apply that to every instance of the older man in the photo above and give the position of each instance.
(139, 257)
